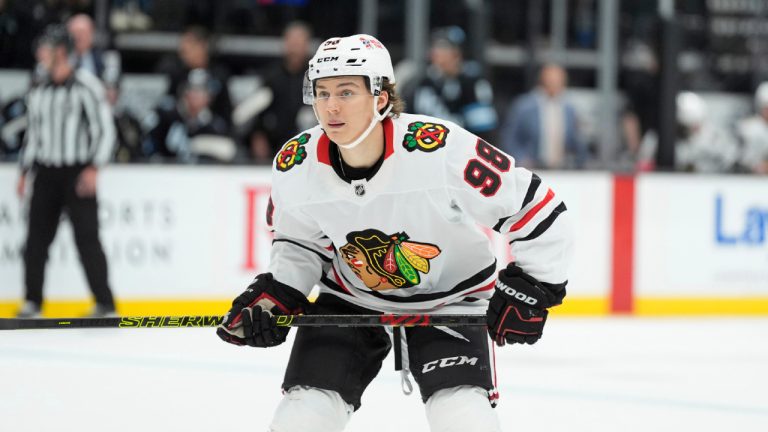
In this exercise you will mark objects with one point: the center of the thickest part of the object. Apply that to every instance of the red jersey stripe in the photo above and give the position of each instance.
(532, 212)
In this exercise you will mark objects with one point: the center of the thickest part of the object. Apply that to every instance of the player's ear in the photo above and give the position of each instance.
(383, 100)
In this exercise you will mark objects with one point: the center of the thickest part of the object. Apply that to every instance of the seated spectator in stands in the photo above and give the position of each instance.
(13, 114)
(282, 86)
(130, 15)
(172, 130)
(639, 79)
(541, 127)
(701, 146)
(128, 127)
(13, 125)
(81, 29)
(753, 133)
(43, 59)
(194, 53)
(452, 88)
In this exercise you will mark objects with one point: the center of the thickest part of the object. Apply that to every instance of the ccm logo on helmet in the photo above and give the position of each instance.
(501, 286)
(448, 362)
(327, 59)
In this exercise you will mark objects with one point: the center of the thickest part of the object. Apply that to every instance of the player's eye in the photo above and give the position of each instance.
(347, 93)
(323, 95)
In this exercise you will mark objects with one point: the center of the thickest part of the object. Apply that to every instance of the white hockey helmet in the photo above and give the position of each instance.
(761, 96)
(691, 109)
(358, 55)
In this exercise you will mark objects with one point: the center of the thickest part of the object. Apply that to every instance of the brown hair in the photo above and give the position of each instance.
(398, 104)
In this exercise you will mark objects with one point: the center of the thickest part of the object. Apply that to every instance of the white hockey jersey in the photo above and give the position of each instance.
(753, 132)
(407, 238)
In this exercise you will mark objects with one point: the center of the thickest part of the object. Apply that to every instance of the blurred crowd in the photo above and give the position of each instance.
(197, 120)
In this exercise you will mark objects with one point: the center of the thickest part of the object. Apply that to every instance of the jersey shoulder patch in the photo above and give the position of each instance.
(427, 135)
(293, 153)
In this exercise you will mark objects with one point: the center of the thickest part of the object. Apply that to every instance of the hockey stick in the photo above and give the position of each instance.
(384, 320)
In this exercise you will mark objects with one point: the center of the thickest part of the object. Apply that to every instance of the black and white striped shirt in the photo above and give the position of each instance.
(68, 124)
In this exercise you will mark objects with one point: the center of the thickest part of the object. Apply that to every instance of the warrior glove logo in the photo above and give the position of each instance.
(448, 362)
(501, 286)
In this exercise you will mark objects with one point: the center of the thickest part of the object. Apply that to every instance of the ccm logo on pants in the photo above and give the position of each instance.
(448, 362)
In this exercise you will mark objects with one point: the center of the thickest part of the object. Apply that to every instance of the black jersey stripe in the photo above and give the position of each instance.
(471, 282)
(543, 225)
(532, 188)
(500, 223)
(322, 257)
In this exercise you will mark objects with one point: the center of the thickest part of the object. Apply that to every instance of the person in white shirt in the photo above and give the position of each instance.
(702, 146)
(753, 132)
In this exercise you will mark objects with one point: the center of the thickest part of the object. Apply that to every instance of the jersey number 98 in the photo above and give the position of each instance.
(481, 176)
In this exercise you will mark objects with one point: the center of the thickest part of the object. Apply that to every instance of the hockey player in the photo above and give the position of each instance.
(381, 210)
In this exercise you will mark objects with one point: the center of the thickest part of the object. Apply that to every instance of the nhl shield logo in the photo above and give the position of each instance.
(360, 189)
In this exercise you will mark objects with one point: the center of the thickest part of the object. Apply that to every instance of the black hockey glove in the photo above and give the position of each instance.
(518, 308)
(252, 322)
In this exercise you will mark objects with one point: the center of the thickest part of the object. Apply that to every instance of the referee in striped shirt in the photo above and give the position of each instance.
(70, 135)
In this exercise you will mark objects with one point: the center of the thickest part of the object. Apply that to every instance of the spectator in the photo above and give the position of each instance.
(172, 129)
(283, 83)
(194, 53)
(639, 116)
(753, 132)
(43, 59)
(541, 128)
(130, 15)
(81, 28)
(127, 126)
(13, 123)
(701, 146)
(13, 115)
(452, 89)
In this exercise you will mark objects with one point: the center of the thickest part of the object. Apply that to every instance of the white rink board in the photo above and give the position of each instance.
(701, 236)
(176, 231)
(167, 232)
(589, 199)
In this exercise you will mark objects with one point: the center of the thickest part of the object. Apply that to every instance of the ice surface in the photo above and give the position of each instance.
(586, 374)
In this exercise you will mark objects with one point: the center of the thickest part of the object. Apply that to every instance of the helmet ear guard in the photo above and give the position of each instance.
(308, 90)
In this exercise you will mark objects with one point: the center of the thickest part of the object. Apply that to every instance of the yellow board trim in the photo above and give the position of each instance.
(701, 306)
(162, 307)
(578, 306)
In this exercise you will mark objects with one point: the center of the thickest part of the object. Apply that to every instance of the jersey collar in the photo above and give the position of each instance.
(323, 144)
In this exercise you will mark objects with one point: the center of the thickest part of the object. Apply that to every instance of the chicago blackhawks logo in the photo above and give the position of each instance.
(292, 153)
(425, 136)
(371, 43)
(386, 262)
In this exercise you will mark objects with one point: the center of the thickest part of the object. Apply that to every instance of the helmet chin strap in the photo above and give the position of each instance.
(376, 119)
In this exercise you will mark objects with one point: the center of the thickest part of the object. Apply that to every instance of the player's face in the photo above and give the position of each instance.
(343, 105)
